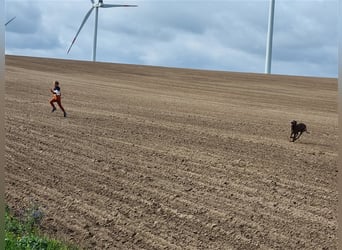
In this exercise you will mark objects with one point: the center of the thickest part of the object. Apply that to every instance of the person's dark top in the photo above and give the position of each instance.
(57, 90)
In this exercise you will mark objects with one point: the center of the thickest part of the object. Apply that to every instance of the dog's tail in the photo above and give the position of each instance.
(306, 130)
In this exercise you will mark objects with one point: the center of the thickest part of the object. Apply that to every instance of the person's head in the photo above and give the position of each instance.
(56, 83)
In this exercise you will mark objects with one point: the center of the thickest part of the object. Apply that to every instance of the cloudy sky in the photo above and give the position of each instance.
(228, 35)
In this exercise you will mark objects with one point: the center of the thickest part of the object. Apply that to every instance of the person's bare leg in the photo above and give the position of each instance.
(60, 105)
(53, 106)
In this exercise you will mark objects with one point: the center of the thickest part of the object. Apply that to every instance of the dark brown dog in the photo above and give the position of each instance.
(297, 129)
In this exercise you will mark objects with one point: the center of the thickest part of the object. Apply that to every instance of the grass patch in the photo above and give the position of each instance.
(22, 233)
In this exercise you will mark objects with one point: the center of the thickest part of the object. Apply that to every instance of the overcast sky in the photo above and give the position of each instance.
(218, 35)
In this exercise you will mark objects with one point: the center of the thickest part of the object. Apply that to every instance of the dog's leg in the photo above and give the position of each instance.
(291, 135)
(300, 133)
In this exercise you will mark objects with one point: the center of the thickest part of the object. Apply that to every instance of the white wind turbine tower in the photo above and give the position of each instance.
(269, 38)
(96, 6)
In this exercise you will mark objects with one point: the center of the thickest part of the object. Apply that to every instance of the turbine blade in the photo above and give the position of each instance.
(116, 5)
(10, 20)
(92, 1)
(79, 30)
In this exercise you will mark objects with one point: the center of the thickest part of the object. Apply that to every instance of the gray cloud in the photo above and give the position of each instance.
(25, 14)
(223, 35)
(29, 31)
(305, 38)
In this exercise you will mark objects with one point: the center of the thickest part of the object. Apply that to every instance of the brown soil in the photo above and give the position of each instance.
(161, 158)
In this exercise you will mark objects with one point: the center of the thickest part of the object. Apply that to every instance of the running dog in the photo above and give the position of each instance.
(297, 129)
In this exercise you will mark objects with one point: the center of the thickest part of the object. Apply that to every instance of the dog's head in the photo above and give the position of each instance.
(294, 122)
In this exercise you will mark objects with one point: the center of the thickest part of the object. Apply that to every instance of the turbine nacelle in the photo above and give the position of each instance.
(98, 4)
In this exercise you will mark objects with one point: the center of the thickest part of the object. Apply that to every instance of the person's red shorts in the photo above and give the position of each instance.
(56, 98)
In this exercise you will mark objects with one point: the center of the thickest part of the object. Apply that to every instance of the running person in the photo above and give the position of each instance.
(56, 98)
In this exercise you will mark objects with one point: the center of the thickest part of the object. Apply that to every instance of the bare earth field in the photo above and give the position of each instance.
(161, 158)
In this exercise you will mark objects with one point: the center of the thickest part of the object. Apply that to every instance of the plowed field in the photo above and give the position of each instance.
(163, 158)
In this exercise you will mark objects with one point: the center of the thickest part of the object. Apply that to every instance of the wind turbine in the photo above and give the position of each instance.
(96, 6)
(269, 38)
(10, 21)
